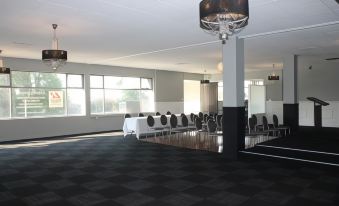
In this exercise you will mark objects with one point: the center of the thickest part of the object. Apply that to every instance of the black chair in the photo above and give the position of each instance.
(255, 122)
(174, 124)
(266, 127)
(215, 116)
(205, 118)
(192, 120)
(141, 115)
(219, 122)
(163, 121)
(211, 127)
(168, 113)
(198, 124)
(184, 127)
(157, 114)
(201, 116)
(151, 123)
(276, 125)
(127, 116)
(192, 117)
(199, 129)
(254, 137)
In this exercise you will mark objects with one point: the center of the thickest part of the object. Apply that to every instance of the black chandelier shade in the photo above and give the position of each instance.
(232, 10)
(54, 55)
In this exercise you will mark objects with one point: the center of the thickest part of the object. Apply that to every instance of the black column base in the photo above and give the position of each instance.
(233, 131)
(291, 116)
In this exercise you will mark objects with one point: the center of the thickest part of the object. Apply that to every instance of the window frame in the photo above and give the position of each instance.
(104, 113)
(66, 112)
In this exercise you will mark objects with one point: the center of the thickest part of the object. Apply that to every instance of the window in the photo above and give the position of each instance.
(251, 82)
(246, 85)
(111, 94)
(5, 96)
(220, 92)
(191, 96)
(37, 94)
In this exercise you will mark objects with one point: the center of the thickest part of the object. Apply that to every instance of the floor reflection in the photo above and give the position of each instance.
(192, 140)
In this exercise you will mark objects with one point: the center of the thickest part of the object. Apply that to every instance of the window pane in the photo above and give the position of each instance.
(191, 96)
(74, 81)
(5, 103)
(122, 82)
(4, 80)
(147, 100)
(97, 101)
(76, 102)
(96, 82)
(37, 79)
(122, 101)
(260, 82)
(146, 83)
(38, 102)
(247, 83)
(112, 98)
(220, 94)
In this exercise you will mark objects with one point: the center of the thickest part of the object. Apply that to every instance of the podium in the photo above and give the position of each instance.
(318, 104)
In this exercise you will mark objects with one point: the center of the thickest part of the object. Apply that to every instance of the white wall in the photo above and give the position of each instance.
(273, 88)
(321, 81)
(16, 129)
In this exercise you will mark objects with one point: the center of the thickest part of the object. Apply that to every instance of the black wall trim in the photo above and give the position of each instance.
(291, 116)
(233, 131)
(55, 137)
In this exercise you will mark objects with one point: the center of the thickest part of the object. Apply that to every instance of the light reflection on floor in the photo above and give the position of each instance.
(192, 140)
(47, 142)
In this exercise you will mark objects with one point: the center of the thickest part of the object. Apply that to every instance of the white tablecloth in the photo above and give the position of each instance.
(139, 125)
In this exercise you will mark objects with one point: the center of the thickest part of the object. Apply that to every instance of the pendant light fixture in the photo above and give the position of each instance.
(54, 57)
(273, 76)
(223, 17)
(3, 69)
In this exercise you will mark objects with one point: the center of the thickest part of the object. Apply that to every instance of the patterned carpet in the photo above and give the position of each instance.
(109, 170)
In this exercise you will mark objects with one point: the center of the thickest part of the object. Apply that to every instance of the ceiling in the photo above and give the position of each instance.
(165, 34)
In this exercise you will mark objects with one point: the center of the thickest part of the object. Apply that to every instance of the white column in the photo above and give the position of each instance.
(290, 92)
(290, 79)
(233, 110)
(233, 76)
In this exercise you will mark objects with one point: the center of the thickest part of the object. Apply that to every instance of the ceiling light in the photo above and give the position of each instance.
(3, 69)
(223, 17)
(54, 57)
(273, 76)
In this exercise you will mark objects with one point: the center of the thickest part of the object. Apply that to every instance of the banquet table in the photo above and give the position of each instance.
(138, 125)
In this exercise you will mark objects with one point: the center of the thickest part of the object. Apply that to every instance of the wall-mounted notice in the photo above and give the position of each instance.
(56, 99)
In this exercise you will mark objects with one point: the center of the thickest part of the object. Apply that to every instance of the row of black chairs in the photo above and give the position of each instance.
(143, 115)
(265, 131)
(210, 124)
(275, 128)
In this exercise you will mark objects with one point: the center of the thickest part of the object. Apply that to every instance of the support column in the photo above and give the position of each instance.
(233, 103)
(290, 92)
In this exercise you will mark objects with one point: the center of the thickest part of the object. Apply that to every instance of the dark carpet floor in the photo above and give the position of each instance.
(103, 170)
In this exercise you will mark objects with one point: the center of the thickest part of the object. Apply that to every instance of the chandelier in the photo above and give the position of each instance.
(223, 17)
(273, 76)
(54, 57)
